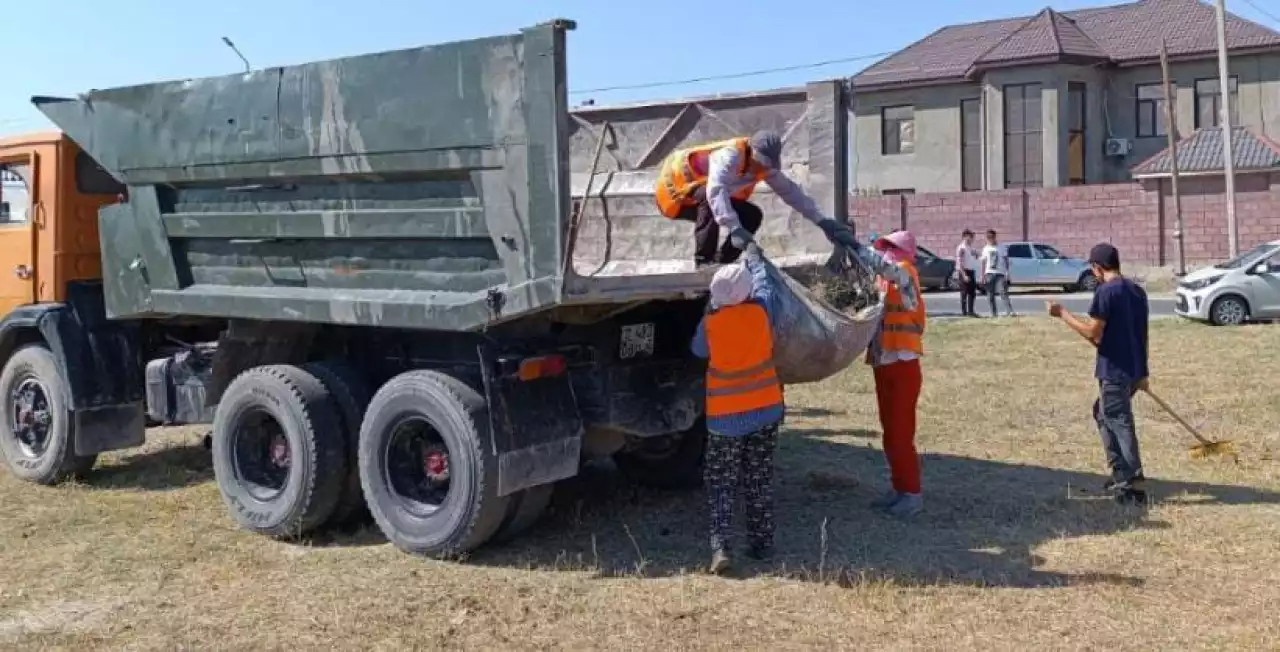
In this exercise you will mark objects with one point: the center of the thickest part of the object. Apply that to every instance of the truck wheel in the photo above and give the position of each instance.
(525, 509)
(667, 462)
(37, 436)
(352, 394)
(430, 478)
(278, 451)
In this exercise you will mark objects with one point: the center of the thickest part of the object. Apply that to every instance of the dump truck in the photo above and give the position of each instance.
(414, 282)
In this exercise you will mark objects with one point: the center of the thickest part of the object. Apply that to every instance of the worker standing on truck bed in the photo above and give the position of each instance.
(711, 185)
(744, 404)
(895, 359)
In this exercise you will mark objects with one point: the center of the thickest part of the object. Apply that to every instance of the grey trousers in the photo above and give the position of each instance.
(1114, 413)
(999, 284)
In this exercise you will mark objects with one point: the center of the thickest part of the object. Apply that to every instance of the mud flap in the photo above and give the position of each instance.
(99, 360)
(109, 428)
(535, 424)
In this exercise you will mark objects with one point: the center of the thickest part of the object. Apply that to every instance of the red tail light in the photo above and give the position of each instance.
(542, 367)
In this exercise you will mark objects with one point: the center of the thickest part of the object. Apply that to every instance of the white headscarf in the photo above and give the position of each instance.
(730, 286)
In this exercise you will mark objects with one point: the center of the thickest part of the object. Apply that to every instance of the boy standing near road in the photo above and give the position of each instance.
(995, 273)
(744, 404)
(1117, 324)
(967, 270)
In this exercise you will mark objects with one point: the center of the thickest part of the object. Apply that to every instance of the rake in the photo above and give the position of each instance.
(1204, 447)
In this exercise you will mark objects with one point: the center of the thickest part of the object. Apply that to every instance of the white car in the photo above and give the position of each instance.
(1035, 263)
(1244, 288)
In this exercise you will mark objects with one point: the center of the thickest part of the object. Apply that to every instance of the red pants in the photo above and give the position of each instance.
(897, 392)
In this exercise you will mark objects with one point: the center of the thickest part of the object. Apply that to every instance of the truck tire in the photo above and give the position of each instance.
(429, 475)
(667, 462)
(37, 435)
(352, 394)
(278, 451)
(525, 508)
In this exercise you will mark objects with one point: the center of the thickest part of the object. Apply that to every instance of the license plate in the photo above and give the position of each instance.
(637, 340)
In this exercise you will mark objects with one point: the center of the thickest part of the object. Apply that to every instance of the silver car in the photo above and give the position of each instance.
(1035, 263)
(1244, 288)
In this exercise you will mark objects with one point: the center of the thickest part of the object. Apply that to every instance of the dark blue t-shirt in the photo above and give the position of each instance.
(1122, 353)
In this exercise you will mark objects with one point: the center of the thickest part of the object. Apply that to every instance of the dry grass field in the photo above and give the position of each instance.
(1017, 549)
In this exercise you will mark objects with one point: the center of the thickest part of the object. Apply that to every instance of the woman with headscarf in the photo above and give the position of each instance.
(744, 404)
(895, 359)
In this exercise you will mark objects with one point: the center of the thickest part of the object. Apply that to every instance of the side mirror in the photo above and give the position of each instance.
(1261, 268)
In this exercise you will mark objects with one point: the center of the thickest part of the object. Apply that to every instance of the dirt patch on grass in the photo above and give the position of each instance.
(1017, 549)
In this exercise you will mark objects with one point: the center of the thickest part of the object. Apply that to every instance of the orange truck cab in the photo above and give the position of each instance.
(50, 194)
(58, 350)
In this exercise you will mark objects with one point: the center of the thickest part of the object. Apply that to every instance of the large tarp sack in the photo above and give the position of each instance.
(813, 339)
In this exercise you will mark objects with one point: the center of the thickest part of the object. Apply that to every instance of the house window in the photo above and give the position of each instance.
(970, 144)
(1150, 110)
(1023, 163)
(899, 127)
(1209, 102)
(1075, 133)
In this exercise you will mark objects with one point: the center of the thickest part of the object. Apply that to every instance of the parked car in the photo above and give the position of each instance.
(1035, 263)
(1244, 288)
(936, 272)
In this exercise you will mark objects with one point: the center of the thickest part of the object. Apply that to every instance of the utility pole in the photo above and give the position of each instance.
(1228, 158)
(1171, 134)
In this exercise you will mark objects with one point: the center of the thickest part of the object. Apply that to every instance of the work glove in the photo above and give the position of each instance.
(741, 237)
(891, 273)
(838, 232)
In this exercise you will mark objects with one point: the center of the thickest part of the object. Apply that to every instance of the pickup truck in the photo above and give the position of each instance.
(372, 277)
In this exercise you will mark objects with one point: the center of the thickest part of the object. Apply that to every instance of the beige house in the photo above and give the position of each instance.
(1055, 99)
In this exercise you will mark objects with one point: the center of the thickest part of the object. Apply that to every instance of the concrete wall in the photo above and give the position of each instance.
(1137, 218)
(1259, 101)
(935, 164)
(1110, 112)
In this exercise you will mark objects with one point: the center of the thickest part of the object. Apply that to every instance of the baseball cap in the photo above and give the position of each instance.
(1105, 256)
(766, 147)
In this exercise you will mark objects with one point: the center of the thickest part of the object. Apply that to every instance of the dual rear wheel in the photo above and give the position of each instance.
(296, 448)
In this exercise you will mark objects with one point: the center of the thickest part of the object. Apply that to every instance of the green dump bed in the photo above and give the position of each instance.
(423, 188)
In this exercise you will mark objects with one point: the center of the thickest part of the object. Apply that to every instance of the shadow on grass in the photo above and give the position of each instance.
(982, 521)
(166, 469)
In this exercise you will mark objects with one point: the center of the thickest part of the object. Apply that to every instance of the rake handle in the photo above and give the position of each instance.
(1167, 409)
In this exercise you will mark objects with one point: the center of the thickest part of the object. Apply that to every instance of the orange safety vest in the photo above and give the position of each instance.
(902, 329)
(685, 170)
(740, 373)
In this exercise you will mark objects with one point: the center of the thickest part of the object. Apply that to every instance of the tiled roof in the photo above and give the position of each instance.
(1202, 152)
(1126, 34)
(1049, 35)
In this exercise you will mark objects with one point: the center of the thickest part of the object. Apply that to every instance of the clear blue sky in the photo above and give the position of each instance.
(62, 47)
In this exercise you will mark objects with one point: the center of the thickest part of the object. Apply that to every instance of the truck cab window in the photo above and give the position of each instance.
(92, 179)
(15, 193)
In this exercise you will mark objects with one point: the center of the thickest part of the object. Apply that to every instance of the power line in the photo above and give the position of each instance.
(736, 75)
(1258, 8)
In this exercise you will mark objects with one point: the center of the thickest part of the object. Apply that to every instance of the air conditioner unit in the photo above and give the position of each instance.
(1118, 147)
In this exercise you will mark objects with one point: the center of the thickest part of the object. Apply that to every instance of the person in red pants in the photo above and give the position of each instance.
(895, 359)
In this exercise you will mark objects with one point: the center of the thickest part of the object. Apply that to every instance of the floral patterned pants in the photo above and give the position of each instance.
(745, 462)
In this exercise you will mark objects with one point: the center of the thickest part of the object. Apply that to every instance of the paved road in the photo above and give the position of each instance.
(947, 304)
